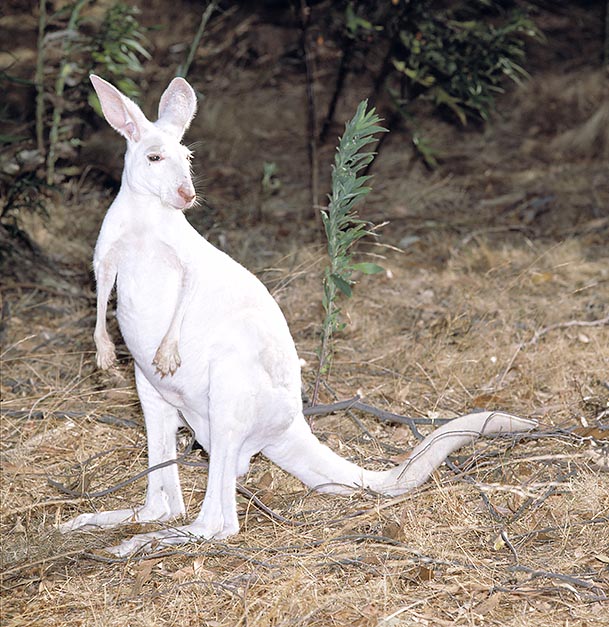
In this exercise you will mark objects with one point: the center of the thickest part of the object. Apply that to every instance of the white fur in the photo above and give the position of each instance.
(209, 341)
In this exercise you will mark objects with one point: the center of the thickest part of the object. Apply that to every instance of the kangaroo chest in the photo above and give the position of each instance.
(147, 284)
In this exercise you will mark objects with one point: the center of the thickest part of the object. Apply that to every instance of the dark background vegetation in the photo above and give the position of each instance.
(418, 62)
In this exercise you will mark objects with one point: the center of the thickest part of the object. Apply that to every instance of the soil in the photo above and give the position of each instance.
(495, 295)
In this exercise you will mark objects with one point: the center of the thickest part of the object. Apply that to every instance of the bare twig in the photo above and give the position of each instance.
(179, 460)
(539, 333)
(309, 58)
(40, 414)
(566, 325)
(265, 508)
(381, 414)
(39, 80)
(40, 562)
(89, 495)
(183, 69)
(570, 579)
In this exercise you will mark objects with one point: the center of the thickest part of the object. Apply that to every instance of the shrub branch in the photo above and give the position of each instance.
(343, 227)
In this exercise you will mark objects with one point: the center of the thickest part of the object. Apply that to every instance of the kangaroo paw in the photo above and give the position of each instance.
(149, 542)
(167, 359)
(106, 354)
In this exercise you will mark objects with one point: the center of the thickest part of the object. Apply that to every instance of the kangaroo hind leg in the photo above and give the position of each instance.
(230, 422)
(164, 495)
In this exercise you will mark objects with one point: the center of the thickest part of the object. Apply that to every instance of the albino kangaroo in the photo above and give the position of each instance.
(210, 342)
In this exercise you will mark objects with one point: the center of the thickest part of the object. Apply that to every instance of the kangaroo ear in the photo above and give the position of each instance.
(122, 114)
(177, 107)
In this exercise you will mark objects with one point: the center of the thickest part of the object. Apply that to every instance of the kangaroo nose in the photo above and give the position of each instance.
(186, 192)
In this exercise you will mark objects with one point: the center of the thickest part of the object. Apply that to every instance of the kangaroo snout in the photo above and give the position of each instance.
(187, 192)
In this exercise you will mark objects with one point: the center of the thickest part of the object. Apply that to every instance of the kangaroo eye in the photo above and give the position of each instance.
(154, 157)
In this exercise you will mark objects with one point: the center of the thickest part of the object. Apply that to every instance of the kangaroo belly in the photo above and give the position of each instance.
(147, 292)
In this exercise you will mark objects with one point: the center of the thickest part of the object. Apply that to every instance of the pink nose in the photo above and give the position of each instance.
(186, 192)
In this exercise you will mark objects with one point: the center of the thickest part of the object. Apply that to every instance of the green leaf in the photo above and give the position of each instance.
(367, 267)
(342, 285)
(442, 97)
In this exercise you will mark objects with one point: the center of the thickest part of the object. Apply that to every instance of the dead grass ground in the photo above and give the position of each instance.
(496, 301)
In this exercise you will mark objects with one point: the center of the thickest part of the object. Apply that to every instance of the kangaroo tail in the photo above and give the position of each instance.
(300, 453)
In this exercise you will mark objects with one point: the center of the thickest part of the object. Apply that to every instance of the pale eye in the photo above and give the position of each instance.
(154, 157)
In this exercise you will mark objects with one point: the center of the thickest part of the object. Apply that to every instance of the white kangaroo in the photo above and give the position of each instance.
(212, 349)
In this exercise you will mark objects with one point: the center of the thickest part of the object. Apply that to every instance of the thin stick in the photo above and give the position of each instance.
(183, 69)
(42, 561)
(566, 325)
(39, 80)
(265, 508)
(575, 581)
(89, 495)
(305, 18)
(343, 71)
(60, 84)
(381, 414)
(79, 494)
(40, 414)
(606, 46)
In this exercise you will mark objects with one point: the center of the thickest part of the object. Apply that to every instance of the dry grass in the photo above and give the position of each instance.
(472, 313)
(424, 342)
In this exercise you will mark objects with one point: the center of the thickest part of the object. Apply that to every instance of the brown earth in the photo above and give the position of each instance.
(497, 298)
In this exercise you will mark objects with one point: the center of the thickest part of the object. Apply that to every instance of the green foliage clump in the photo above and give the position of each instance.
(111, 47)
(455, 55)
(72, 43)
(343, 227)
(118, 47)
(460, 59)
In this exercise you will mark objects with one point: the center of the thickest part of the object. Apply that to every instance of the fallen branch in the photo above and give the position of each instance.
(570, 579)
(566, 325)
(40, 414)
(381, 414)
(181, 459)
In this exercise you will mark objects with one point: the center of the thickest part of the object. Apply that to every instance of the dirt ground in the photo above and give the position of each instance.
(495, 296)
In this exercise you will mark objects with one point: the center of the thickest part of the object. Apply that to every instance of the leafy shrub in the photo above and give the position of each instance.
(459, 61)
(456, 56)
(343, 227)
(71, 45)
(112, 47)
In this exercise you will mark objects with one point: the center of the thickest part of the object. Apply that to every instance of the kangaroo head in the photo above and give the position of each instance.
(156, 162)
